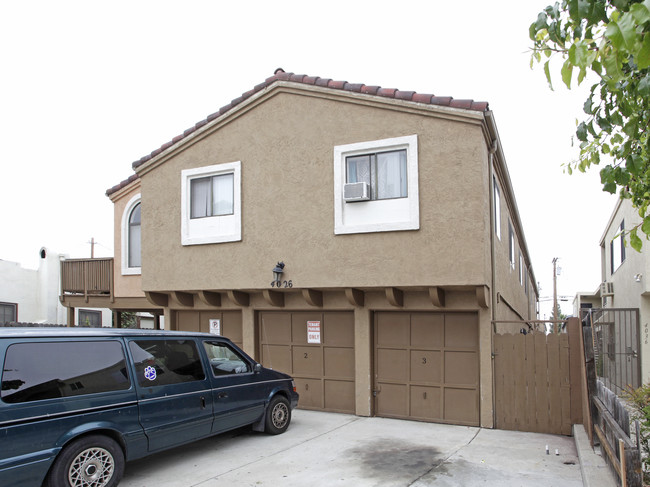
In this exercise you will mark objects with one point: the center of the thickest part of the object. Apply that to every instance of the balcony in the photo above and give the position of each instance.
(87, 277)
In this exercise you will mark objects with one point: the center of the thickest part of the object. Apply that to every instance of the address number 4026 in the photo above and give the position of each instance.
(282, 284)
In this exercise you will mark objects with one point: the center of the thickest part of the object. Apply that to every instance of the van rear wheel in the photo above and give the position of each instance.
(91, 461)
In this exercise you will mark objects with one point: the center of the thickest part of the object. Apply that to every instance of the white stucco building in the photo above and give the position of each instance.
(32, 295)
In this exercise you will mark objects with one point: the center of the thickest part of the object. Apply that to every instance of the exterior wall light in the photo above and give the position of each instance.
(277, 274)
(638, 277)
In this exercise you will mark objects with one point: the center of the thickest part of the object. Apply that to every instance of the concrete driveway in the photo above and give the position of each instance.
(326, 449)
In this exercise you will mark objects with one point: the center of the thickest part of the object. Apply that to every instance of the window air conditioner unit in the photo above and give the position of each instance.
(356, 192)
(607, 289)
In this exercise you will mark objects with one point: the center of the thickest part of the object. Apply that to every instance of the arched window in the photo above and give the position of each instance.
(134, 252)
(131, 237)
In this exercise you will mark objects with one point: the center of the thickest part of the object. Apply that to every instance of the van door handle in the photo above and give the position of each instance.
(202, 402)
(222, 395)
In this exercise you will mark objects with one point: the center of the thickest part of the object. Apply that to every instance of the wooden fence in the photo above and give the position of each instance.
(537, 381)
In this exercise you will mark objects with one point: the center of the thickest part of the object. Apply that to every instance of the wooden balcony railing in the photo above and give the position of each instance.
(88, 277)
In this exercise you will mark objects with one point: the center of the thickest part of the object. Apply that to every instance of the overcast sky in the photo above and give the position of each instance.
(89, 87)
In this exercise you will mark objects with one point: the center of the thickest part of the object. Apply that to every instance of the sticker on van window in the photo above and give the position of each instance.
(150, 373)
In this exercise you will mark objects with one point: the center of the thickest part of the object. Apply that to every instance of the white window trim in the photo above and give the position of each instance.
(617, 248)
(511, 246)
(214, 229)
(497, 209)
(126, 270)
(409, 206)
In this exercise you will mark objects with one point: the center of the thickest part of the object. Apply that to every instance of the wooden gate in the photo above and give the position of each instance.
(537, 381)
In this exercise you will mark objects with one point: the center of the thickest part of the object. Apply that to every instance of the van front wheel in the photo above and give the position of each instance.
(91, 461)
(278, 415)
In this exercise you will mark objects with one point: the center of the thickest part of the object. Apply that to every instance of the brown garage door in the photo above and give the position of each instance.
(427, 367)
(200, 321)
(322, 367)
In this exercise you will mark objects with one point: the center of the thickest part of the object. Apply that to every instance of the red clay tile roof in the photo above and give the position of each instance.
(119, 186)
(281, 75)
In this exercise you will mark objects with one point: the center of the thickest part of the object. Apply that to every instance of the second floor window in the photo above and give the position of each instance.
(212, 196)
(383, 172)
(497, 209)
(135, 237)
(617, 248)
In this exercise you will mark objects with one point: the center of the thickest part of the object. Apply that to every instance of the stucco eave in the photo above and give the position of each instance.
(125, 190)
(609, 222)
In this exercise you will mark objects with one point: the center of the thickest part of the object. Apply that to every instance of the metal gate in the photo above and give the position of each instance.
(616, 345)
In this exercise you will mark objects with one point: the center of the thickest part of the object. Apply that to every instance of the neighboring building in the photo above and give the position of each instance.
(625, 286)
(31, 296)
(393, 215)
(585, 300)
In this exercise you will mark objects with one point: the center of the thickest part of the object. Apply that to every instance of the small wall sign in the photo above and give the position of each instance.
(215, 327)
(313, 332)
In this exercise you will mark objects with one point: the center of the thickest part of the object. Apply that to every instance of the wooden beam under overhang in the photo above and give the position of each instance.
(356, 297)
(240, 298)
(395, 296)
(274, 298)
(185, 299)
(313, 297)
(437, 296)
(157, 299)
(120, 303)
(210, 298)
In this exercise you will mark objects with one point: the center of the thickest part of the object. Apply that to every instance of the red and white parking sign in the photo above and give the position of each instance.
(313, 332)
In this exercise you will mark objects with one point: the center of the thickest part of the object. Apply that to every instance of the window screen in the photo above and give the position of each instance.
(46, 370)
(164, 362)
(90, 318)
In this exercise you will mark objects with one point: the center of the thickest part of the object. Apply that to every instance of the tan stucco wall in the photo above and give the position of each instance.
(513, 303)
(286, 147)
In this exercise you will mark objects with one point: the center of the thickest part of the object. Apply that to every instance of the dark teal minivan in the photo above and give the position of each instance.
(77, 403)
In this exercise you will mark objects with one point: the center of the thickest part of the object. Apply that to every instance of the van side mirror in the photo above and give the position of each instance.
(257, 368)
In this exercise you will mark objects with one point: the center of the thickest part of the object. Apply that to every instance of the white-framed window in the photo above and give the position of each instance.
(522, 269)
(497, 209)
(383, 175)
(132, 237)
(511, 245)
(211, 204)
(617, 248)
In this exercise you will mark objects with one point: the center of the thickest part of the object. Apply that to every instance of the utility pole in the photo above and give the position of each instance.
(92, 247)
(555, 316)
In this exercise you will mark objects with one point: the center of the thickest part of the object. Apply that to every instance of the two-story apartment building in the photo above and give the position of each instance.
(365, 240)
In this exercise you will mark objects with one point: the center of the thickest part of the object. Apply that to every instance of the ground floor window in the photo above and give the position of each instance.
(90, 318)
(8, 312)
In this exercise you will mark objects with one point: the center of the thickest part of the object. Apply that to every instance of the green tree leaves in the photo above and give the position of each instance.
(611, 40)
